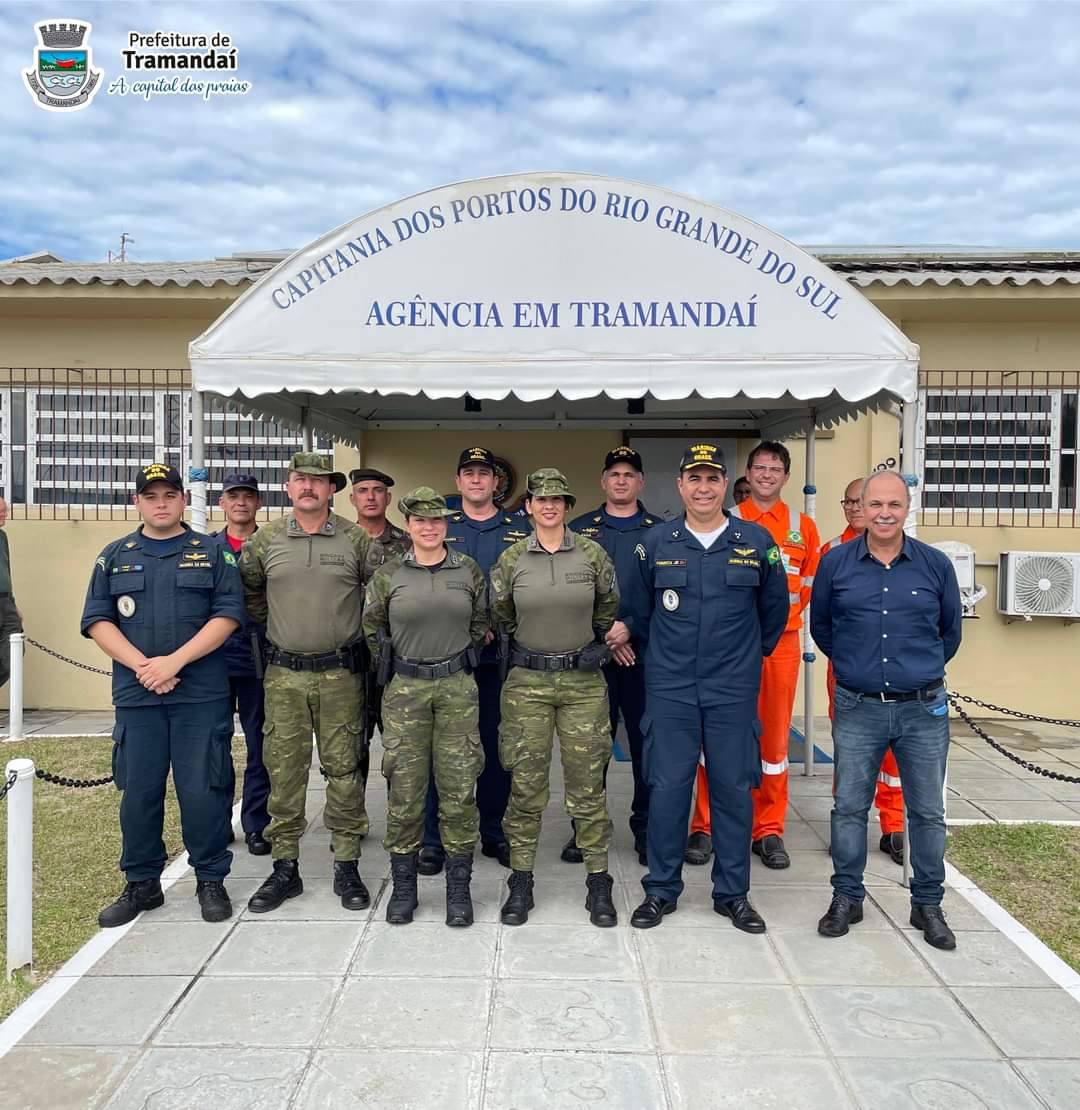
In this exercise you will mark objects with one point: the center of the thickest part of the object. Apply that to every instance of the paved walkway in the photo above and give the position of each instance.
(315, 1007)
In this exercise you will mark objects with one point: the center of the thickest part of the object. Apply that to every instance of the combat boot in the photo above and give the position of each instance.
(143, 894)
(459, 907)
(515, 910)
(598, 902)
(214, 900)
(403, 900)
(284, 882)
(347, 883)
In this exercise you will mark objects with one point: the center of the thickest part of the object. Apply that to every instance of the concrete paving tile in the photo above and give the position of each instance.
(1026, 1022)
(961, 915)
(535, 951)
(985, 960)
(880, 957)
(1003, 788)
(428, 949)
(61, 1078)
(182, 905)
(806, 786)
(259, 946)
(895, 1021)
(807, 866)
(986, 1084)
(108, 1011)
(389, 1013)
(1048, 810)
(560, 898)
(604, 1081)
(488, 894)
(1062, 791)
(259, 1013)
(673, 955)
(163, 948)
(343, 1079)
(532, 1016)
(971, 770)
(717, 1082)
(1057, 1081)
(799, 907)
(746, 1020)
(960, 809)
(802, 835)
(813, 807)
(226, 1079)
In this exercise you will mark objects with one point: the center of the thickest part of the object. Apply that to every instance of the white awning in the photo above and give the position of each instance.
(546, 293)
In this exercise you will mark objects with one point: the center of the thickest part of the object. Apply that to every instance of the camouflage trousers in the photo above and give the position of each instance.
(330, 704)
(534, 705)
(432, 723)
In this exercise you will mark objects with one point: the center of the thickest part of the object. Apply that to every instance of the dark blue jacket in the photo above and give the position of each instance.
(159, 602)
(238, 649)
(707, 617)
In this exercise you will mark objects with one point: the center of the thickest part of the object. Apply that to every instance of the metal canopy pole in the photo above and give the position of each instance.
(305, 428)
(197, 466)
(809, 493)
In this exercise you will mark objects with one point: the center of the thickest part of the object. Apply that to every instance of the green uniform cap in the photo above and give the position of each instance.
(424, 501)
(549, 482)
(311, 462)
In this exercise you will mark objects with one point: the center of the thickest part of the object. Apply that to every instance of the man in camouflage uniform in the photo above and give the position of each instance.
(425, 617)
(555, 593)
(304, 576)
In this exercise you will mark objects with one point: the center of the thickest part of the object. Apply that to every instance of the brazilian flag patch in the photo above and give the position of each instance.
(773, 554)
(230, 558)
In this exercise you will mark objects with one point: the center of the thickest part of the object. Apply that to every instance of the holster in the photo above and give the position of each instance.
(257, 654)
(472, 658)
(384, 664)
(502, 652)
(593, 656)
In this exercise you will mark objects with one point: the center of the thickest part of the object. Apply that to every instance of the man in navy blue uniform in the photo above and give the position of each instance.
(483, 532)
(886, 610)
(240, 503)
(710, 600)
(618, 526)
(161, 603)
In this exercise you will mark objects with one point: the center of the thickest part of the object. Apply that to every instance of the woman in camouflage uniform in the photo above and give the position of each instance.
(425, 616)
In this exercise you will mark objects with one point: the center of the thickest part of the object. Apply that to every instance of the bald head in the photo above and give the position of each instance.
(885, 503)
(885, 483)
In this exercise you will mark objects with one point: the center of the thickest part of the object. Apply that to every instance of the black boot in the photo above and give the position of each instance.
(403, 900)
(571, 853)
(515, 910)
(459, 908)
(284, 882)
(598, 902)
(213, 900)
(143, 894)
(347, 883)
(431, 861)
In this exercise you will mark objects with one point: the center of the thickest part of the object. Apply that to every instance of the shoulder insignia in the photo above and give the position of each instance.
(736, 535)
(100, 561)
(639, 551)
(456, 518)
(773, 554)
(675, 534)
(598, 518)
(194, 542)
(508, 520)
(648, 520)
(129, 545)
(230, 558)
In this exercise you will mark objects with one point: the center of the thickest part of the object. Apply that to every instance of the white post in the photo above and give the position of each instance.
(810, 493)
(909, 463)
(197, 470)
(15, 686)
(906, 881)
(20, 866)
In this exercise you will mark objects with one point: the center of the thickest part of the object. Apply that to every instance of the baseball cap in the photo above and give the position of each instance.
(476, 456)
(370, 474)
(311, 462)
(549, 482)
(624, 455)
(158, 472)
(424, 501)
(703, 454)
(240, 479)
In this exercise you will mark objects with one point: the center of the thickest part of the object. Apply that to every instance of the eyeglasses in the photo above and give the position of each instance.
(850, 502)
(760, 468)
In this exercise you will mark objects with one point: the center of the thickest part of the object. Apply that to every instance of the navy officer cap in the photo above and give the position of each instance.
(703, 454)
(476, 456)
(624, 455)
(158, 472)
(370, 474)
(240, 479)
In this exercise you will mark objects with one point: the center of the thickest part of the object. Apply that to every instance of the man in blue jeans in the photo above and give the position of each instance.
(886, 610)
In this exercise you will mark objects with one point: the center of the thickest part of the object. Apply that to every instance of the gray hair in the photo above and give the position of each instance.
(885, 474)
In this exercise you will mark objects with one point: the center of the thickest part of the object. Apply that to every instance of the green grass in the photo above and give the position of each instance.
(1033, 871)
(76, 849)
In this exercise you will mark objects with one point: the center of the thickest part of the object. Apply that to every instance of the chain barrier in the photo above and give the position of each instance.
(66, 659)
(981, 733)
(1015, 712)
(62, 780)
(12, 779)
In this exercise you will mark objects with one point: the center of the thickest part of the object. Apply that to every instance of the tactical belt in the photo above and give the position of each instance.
(325, 661)
(543, 660)
(407, 668)
(910, 695)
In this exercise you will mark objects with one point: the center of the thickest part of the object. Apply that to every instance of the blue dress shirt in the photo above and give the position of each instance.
(887, 629)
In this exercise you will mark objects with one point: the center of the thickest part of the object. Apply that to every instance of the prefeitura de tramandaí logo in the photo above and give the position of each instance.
(63, 78)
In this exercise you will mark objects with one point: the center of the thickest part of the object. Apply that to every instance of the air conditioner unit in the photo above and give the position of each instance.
(1039, 584)
(962, 556)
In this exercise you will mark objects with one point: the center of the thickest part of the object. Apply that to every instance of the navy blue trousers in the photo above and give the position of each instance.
(493, 785)
(626, 692)
(728, 734)
(195, 740)
(246, 699)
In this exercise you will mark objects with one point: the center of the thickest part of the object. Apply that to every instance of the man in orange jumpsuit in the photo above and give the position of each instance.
(889, 798)
(767, 470)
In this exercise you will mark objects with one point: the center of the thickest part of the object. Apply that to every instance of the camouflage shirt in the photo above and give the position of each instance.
(393, 541)
(431, 613)
(554, 601)
(308, 588)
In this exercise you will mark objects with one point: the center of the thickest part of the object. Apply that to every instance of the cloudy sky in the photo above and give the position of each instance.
(842, 123)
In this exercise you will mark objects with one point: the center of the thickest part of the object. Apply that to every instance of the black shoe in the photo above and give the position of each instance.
(842, 912)
(743, 915)
(652, 911)
(892, 844)
(431, 861)
(496, 849)
(598, 901)
(571, 853)
(403, 900)
(349, 885)
(934, 930)
(459, 907)
(143, 894)
(213, 900)
(641, 846)
(515, 910)
(284, 882)
(772, 851)
(257, 844)
(698, 849)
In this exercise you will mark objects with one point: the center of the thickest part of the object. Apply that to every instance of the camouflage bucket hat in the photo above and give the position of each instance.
(549, 482)
(424, 501)
(311, 462)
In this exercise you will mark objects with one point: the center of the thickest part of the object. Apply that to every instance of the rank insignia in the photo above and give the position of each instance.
(639, 551)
